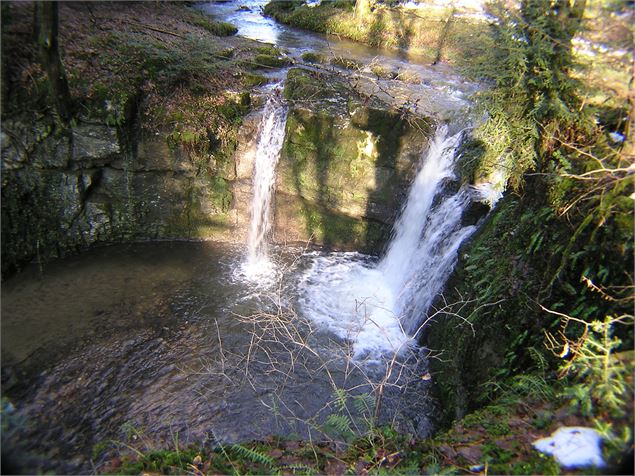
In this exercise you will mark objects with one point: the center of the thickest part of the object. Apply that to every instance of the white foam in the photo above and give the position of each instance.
(573, 447)
(341, 292)
(378, 307)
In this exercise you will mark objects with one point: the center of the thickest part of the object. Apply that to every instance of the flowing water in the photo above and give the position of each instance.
(217, 343)
(270, 143)
(431, 91)
(380, 306)
(160, 339)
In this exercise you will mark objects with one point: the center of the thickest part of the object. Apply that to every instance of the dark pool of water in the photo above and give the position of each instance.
(161, 340)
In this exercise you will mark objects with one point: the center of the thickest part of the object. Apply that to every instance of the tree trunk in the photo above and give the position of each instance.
(47, 28)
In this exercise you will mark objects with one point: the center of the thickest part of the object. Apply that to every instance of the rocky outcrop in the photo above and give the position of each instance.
(345, 166)
(342, 177)
(65, 191)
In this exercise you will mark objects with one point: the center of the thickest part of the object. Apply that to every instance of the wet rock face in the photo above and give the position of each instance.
(94, 145)
(64, 191)
(345, 167)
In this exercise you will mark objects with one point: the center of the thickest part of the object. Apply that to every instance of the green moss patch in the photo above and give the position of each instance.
(311, 57)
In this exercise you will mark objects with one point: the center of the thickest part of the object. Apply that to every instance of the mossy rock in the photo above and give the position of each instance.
(347, 63)
(320, 89)
(383, 73)
(348, 173)
(270, 61)
(311, 57)
(251, 80)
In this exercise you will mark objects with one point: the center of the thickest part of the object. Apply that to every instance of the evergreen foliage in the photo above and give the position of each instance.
(564, 241)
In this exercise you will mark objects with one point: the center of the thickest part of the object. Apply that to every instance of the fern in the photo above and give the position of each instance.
(538, 359)
(340, 399)
(339, 425)
(299, 468)
(364, 403)
(601, 376)
(253, 455)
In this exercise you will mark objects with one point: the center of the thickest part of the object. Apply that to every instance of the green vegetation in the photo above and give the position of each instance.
(311, 57)
(542, 290)
(165, 73)
(308, 85)
(270, 61)
(438, 34)
(346, 63)
(341, 157)
(543, 286)
(218, 28)
(497, 438)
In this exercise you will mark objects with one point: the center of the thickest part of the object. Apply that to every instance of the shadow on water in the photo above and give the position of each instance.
(144, 342)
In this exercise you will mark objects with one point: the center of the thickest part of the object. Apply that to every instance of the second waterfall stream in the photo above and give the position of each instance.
(378, 306)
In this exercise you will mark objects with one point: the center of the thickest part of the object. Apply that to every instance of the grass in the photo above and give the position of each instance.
(346, 63)
(271, 61)
(436, 34)
(215, 27)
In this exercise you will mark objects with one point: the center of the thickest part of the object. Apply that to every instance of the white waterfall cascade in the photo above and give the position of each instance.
(272, 130)
(379, 306)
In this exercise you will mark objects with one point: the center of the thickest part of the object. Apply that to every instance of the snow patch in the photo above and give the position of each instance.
(573, 447)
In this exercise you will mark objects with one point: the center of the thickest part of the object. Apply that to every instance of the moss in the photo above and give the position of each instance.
(470, 153)
(192, 221)
(311, 57)
(341, 166)
(437, 34)
(346, 63)
(250, 80)
(32, 223)
(271, 61)
(513, 261)
(342, 232)
(269, 50)
(217, 28)
(391, 128)
(383, 73)
(221, 194)
(305, 85)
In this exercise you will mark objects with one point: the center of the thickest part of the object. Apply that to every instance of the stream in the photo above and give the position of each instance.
(164, 339)
(153, 340)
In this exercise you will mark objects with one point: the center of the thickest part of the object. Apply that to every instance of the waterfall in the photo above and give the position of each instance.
(422, 251)
(270, 142)
(379, 306)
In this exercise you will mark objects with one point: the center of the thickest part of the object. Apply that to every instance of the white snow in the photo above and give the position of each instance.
(573, 446)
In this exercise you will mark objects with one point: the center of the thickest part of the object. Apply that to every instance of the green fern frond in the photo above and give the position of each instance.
(299, 469)
(364, 403)
(340, 423)
(252, 455)
(340, 399)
